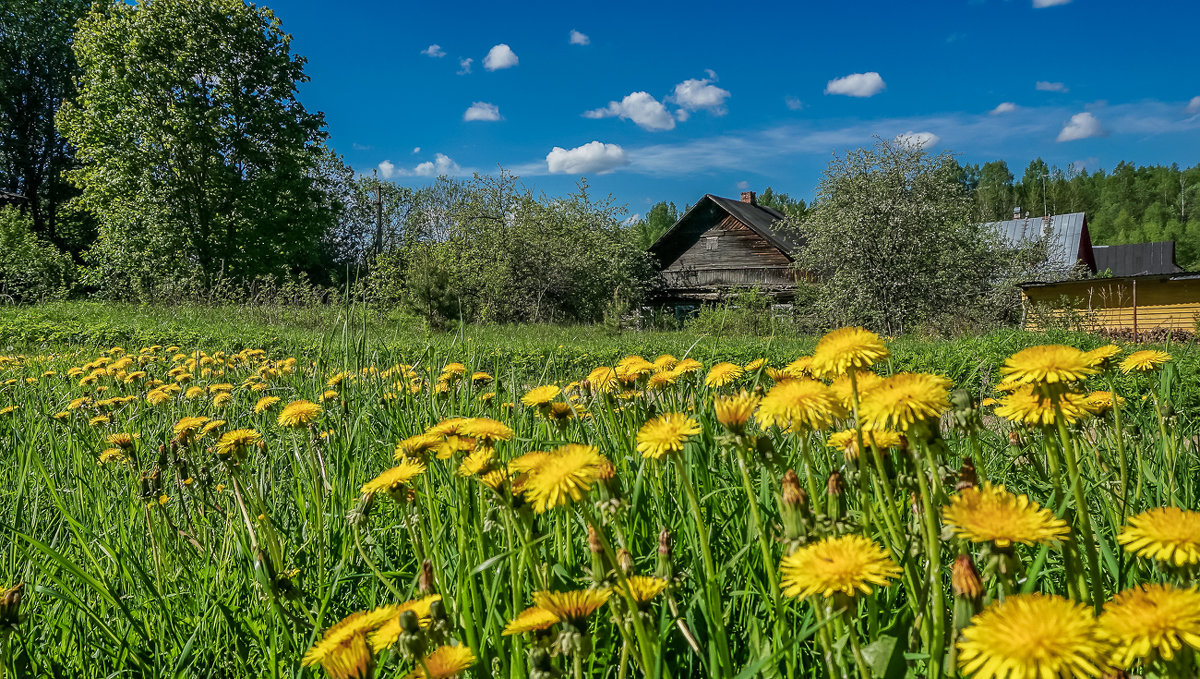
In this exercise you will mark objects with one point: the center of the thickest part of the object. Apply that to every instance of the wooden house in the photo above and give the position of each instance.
(720, 245)
(1138, 304)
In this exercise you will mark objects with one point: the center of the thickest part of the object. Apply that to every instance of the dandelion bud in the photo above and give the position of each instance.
(10, 606)
(663, 567)
(411, 641)
(625, 561)
(425, 581)
(835, 483)
(967, 478)
(793, 495)
(793, 506)
(964, 577)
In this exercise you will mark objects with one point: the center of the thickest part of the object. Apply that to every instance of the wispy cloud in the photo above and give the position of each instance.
(577, 38)
(440, 165)
(434, 51)
(1193, 106)
(1047, 86)
(1005, 107)
(482, 110)
(793, 103)
(464, 65)
(1038, 4)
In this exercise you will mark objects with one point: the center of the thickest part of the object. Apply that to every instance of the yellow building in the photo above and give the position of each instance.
(1136, 303)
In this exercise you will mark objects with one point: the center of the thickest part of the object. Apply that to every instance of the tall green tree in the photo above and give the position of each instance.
(37, 73)
(197, 157)
(895, 245)
(792, 207)
(658, 220)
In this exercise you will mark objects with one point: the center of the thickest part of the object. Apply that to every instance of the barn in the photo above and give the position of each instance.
(720, 245)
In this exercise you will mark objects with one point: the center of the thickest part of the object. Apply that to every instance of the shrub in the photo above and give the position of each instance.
(30, 270)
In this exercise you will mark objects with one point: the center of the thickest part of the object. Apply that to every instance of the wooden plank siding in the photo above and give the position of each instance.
(725, 248)
(1109, 304)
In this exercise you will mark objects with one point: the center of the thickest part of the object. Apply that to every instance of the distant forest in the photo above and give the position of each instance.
(1129, 204)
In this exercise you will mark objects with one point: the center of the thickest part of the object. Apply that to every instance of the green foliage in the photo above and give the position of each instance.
(197, 158)
(894, 246)
(39, 72)
(790, 207)
(658, 220)
(746, 311)
(30, 270)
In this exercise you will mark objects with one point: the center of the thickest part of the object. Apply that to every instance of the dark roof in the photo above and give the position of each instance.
(759, 218)
(1137, 259)
(1066, 235)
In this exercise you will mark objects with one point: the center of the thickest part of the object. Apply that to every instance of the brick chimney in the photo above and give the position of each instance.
(749, 197)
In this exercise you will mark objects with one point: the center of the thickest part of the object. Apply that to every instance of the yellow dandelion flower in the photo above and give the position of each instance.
(574, 606)
(211, 426)
(603, 379)
(540, 396)
(112, 455)
(222, 399)
(299, 413)
(799, 367)
(1048, 364)
(62, 415)
(495, 478)
(531, 619)
(837, 565)
(847, 441)
(529, 461)
(665, 434)
(1100, 356)
(733, 412)
(1149, 622)
(329, 395)
(157, 397)
(846, 349)
(122, 439)
(1026, 405)
(842, 386)
(447, 426)
(688, 366)
(661, 380)
(236, 442)
(1031, 636)
(417, 446)
(443, 663)
(343, 650)
(194, 392)
(455, 369)
(394, 478)
(722, 373)
(486, 429)
(481, 378)
(1100, 402)
(800, 404)
(665, 362)
(455, 444)
(336, 379)
(570, 473)
(643, 588)
(632, 367)
(1167, 534)
(993, 514)
(902, 400)
(189, 424)
(754, 365)
(1144, 361)
(389, 632)
(477, 462)
(264, 404)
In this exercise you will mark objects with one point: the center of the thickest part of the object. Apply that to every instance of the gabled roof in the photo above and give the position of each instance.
(760, 219)
(1067, 236)
(1137, 259)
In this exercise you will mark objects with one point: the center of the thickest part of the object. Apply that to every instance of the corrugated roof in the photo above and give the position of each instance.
(1137, 259)
(1065, 234)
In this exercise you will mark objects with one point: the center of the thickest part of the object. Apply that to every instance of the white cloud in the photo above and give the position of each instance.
(578, 38)
(1047, 86)
(1038, 4)
(793, 103)
(360, 147)
(440, 165)
(922, 140)
(743, 185)
(464, 65)
(1193, 106)
(500, 56)
(1081, 126)
(643, 109)
(416, 149)
(434, 51)
(593, 156)
(1005, 107)
(482, 110)
(387, 169)
(697, 95)
(856, 85)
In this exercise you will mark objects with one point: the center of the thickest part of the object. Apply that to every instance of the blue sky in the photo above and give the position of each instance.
(652, 101)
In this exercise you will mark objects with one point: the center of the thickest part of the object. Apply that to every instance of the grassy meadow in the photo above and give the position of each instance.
(250, 492)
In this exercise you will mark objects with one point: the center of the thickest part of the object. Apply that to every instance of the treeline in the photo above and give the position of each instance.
(1129, 204)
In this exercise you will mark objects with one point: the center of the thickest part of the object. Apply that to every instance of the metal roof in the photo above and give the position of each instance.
(1137, 259)
(1065, 235)
(758, 218)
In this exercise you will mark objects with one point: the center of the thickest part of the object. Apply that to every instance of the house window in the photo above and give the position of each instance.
(710, 243)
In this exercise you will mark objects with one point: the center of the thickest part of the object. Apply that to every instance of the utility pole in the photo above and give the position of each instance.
(378, 215)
